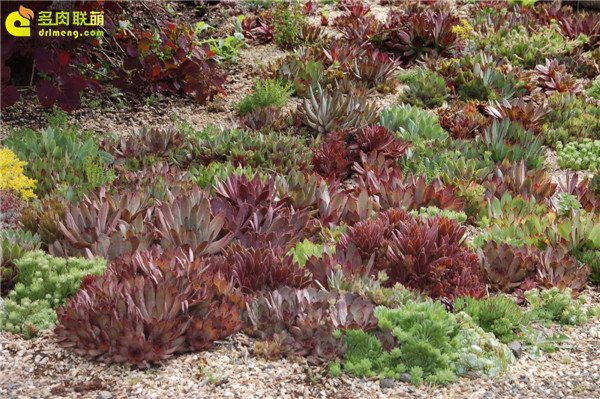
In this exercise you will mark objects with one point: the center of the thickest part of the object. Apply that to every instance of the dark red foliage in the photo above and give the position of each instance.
(391, 190)
(148, 307)
(412, 36)
(379, 139)
(553, 77)
(584, 23)
(68, 63)
(258, 219)
(464, 122)
(178, 65)
(302, 322)
(428, 256)
(333, 159)
(260, 29)
(261, 269)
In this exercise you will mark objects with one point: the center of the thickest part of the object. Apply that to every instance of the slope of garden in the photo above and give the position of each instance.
(339, 199)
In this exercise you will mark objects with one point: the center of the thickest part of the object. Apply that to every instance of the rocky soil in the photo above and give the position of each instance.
(39, 368)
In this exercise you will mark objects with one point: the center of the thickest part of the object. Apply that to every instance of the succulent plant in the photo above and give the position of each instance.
(260, 269)
(463, 122)
(14, 244)
(552, 77)
(412, 36)
(427, 89)
(374, 67)
(428, 257)
(518, 179)
(328, 111)
(302, 322)
(148, 307)
(527, 114)
(559, 269)
(187, 223)
(508, 140)
(108, 225)
(584, 191)
(506, 267)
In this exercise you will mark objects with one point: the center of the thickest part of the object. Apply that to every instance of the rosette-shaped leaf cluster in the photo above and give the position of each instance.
(257, 217)
(145, 141)
(392, 190)
(302, 322)
(187, 223)
(148, 307)
(414, 35)
(582, 189)
(420, 253)
(506, 267)
(517, 179)
(559, 269)
(260, 269)
(429, 256)
(108, 225)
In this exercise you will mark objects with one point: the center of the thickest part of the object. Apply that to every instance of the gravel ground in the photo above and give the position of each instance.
(40, 369)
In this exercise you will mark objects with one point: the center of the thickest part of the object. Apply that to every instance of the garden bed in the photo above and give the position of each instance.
(349, 199)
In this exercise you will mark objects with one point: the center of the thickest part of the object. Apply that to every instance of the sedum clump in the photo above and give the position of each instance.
(44, 283)
(12, 176)
(594, 89)
(267, 93)
(498, 315)
(552, 305)
(432, 211)
(426, 89)
(570, 118)
(579, 155)
(425, 341)
(478, 350)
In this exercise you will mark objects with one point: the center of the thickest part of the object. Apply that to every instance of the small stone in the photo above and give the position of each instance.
(516, 348)
(386, 383)
(104, 395)
(405, 377)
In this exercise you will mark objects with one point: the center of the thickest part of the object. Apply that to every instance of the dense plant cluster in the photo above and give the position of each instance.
(378, 239)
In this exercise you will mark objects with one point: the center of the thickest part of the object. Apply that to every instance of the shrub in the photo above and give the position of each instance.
(288, 22)
(427, 89)
(579, 155)
(44, 283)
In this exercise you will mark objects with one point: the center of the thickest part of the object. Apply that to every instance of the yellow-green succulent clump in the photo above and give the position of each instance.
(12, 177)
